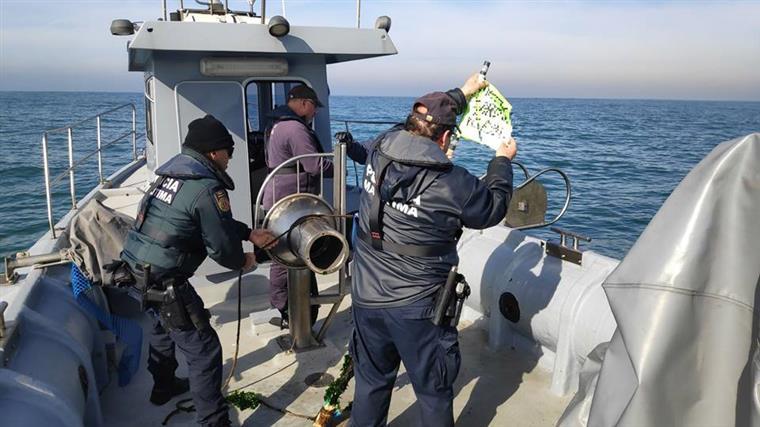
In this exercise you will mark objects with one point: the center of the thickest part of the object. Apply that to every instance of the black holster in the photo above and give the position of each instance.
(175, 301)
(182, 309)
(450, 299)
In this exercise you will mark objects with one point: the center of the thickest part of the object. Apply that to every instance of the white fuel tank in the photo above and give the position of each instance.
(534, 302)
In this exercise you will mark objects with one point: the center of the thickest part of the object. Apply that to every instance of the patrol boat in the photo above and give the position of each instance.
(531, 333)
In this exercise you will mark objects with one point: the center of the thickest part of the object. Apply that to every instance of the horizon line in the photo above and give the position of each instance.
(414, 96)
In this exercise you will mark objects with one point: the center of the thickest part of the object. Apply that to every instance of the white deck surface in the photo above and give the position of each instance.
(493, 388)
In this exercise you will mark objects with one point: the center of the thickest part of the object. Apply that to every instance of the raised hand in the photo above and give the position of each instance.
(473, 84)
(344, 137)
(508, 149)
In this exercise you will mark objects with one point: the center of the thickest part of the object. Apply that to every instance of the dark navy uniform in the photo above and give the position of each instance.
(412, 210)
(185, 217)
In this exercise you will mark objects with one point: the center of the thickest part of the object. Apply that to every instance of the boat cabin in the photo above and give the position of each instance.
(238, 69)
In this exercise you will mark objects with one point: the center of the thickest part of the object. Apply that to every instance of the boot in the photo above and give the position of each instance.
(285, 320)
(281, 321)
(162, 394)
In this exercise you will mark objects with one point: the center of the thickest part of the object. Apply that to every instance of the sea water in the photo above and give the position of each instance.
(624, 157)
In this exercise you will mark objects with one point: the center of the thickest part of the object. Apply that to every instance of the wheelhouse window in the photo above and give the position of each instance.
(262, 97)
(149, 102)
(149, 108)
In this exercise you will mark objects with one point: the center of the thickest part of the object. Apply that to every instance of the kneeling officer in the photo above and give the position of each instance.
(184, 217)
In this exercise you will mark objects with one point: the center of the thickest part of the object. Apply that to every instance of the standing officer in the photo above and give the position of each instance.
(412, 210)
(290, 135)
(184, 217)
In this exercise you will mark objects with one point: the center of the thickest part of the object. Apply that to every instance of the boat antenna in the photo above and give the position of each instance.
(250, 3)
(358, 13)
(283, 10)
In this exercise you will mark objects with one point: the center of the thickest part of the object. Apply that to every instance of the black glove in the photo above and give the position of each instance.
(344, 137)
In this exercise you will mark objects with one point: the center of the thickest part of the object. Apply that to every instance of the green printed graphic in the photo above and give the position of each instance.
(487, 118)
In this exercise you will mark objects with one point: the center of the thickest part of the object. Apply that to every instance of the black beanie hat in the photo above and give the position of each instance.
(207, 134)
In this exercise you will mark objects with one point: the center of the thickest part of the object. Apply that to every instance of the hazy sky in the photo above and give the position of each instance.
(620, 49)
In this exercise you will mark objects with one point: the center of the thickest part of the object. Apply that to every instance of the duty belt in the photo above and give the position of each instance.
(442, 249)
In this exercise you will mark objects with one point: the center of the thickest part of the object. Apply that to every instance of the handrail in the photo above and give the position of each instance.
(521, 166)
(568, 193)
(72, 164)
(85, 120)
(366, 122)
(60, 176)
(273, 173)
(528, 178)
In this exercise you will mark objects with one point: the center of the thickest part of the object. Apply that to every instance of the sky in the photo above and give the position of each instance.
(704, 50)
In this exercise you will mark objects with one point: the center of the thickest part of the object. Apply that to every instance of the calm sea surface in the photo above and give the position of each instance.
(624, 157)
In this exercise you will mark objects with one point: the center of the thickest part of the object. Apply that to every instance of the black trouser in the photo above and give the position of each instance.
(203, 352)
(382, 338)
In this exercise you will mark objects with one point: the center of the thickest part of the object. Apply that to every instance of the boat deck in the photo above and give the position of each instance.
(493, 388)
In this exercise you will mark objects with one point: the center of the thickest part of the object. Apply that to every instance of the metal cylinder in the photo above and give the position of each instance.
(100, 152)
(27, 261)
(358, 13)
(72, 185)
(319, 245)
(310, 234)
(48, 196)
(134, 133)
(299, 309)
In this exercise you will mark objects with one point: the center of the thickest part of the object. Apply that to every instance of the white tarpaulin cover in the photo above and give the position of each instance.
(685, 352)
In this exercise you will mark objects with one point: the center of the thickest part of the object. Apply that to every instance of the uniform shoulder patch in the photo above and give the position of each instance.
(222, 201)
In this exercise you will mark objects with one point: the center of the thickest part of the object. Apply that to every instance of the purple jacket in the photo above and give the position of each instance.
(289, 136)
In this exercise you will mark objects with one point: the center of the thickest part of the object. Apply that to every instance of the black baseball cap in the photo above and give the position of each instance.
(304, 92)
(441, 109)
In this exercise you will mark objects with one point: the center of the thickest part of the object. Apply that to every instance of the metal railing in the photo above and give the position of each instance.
(208, 4)
(528, 177)
(73, 165)
(568, 194)
(272, 176)
(338, 157)
(347, 122)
